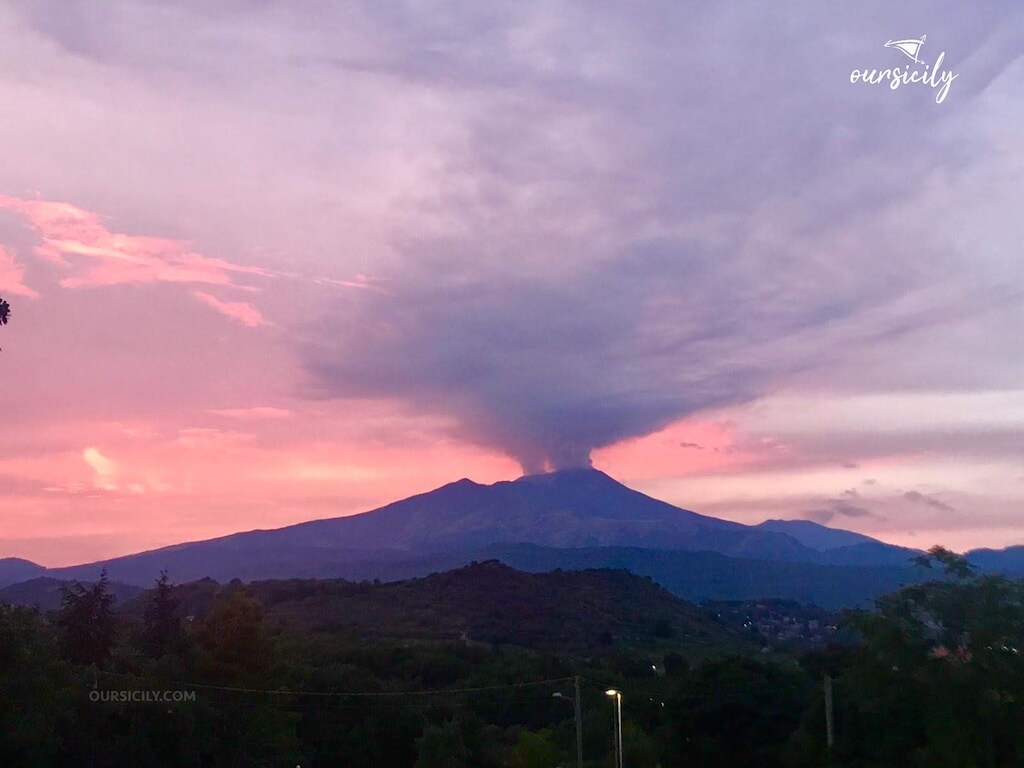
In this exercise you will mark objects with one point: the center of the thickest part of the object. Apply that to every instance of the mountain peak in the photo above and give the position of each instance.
(569, 475)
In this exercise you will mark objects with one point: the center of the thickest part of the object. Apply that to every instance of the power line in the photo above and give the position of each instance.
(347, 694)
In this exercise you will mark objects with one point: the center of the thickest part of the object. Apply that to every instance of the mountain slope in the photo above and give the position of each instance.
(571, 508)
(869, 553)
(815, 535)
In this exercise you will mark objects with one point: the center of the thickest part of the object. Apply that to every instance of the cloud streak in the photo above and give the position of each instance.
(254, 413)
(240, 311)
(79, 240)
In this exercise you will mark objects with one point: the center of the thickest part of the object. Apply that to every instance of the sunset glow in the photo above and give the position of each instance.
(269, 267)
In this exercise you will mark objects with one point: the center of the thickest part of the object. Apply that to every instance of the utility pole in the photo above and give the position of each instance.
(579, 724)
(577, 707)
(829, 734)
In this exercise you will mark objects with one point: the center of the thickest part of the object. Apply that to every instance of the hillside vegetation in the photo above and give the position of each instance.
(488, 603)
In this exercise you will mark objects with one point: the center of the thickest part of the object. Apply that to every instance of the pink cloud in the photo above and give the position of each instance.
(690, 447)
(105, 469)
(194, 437)
(240, 311)
(79, 240)
(256, 413)
(93, 255)
(12, 276)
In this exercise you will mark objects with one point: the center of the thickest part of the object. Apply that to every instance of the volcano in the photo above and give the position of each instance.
(567, 511)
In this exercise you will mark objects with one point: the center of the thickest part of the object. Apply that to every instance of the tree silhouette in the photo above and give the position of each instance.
(937, 680)
(5, 312)
(161, 626)
(86, 622)
(231, 637)
(441, 746)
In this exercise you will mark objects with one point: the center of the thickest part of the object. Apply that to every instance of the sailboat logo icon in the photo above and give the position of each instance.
(932, 75)
(909, 48)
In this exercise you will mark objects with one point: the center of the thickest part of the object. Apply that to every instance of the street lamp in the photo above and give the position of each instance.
(617, 695)
(579, 720)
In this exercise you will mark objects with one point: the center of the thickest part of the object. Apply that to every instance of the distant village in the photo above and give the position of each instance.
(779, 623)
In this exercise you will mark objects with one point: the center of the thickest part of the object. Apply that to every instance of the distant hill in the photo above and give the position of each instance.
(870, 553)
(488, 603)
(701, 576)
(45, 593)
(839, 547)
(14, 569)
(1009, 560)
(815, 535)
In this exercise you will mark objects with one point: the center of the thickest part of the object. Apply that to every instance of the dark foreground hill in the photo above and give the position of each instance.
(486, 603)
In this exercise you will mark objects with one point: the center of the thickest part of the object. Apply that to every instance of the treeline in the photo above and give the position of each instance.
(935, 678)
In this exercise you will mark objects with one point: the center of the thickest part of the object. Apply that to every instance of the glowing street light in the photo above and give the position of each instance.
(617, 695)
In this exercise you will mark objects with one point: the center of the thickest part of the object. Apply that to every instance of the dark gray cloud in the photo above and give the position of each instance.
(928, 501)
(544, 371)
(549, 369)
(644, 216)
(849, 505)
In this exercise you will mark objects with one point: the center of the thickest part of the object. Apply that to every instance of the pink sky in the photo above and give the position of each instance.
(274, 264)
